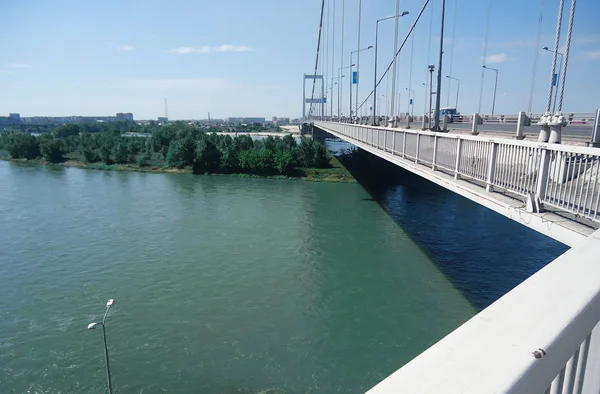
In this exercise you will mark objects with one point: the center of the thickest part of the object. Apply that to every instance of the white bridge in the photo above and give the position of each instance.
(543, 336)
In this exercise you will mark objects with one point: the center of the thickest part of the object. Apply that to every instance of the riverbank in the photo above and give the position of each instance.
(336, 173)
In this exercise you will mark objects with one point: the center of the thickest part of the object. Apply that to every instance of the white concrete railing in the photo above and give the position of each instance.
(562, 176)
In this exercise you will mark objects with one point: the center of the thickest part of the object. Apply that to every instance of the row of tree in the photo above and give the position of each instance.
(176, 145)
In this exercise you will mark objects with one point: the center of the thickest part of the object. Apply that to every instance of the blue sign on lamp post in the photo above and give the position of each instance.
(354, 77)
(554, 79)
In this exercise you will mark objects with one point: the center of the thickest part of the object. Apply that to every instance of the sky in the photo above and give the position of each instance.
(247, 58)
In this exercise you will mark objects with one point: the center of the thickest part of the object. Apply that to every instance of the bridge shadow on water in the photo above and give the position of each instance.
(482, 253)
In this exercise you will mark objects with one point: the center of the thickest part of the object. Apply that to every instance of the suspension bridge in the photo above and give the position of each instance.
(544, 335)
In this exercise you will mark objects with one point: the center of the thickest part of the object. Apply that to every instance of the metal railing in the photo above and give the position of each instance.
(562, 176)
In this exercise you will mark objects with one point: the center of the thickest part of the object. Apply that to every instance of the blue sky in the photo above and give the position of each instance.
(246, 58)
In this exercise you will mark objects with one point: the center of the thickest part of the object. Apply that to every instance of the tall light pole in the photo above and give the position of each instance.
(431, 68)
(339, 84)
(92, 326)
(457, 90)
(331, 103)
(495, 86)
(352, 80)
(330, 88)
(438, 96)
(375, 77)
(557, 76)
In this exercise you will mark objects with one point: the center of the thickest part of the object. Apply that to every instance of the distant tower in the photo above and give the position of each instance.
(209, 117)
(166, 109)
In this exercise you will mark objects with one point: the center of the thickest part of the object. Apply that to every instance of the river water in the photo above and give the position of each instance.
(222, 284)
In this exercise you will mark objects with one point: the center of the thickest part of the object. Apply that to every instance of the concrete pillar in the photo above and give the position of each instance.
(542, 181)
(556, 125)
(476, 120)
(521, 122)
(544, 124)
(491, 175)
(425, 121)
(596, 131)
(445, 123)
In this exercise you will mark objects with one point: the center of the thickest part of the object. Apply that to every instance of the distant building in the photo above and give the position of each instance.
(162, 119)
(10, 120)
(58, 120)
(125, 116)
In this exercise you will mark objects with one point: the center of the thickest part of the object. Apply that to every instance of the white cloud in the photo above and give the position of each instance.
(180, 83)
(592, 54)
(499, 58)
(207, 49)
(126, 48)
(20, 65)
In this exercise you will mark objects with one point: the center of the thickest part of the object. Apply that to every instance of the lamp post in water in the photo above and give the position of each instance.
(92, 326)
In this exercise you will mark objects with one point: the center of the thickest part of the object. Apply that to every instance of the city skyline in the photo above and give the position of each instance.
(72, 59)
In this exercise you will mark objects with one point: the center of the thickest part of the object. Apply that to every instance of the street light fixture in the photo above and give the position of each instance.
(557, 76)
(352, 79)
(457, 90)
(495, 86)
(93, 326)
(375, 83)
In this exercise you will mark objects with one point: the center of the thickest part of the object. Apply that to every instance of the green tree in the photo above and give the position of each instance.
(283, 160)
(208, 156)
(21, 146)
(121, 152)
(52, 149)
(66, 130)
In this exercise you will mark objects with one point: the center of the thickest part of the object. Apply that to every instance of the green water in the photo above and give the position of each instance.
(222, 285)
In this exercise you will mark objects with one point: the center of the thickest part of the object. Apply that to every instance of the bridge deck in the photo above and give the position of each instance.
(497, 174)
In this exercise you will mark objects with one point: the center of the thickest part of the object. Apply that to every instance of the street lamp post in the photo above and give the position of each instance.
(339, 96)
(557, 78)
(457, 90)
(375, 77)
(92, 326)
(352, 75)
(495, 86)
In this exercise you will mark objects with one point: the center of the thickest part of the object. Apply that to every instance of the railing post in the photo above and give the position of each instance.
(542, 181)
(491, 175)
(523, 120)
(475, 124)
(418, 143)
(393, 142)
(596, 131)
(434, 159)
(384, 140)
(404, 145)
(458, 154)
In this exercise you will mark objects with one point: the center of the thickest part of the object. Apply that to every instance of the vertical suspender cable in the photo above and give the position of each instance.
(487, 33)
(317, 59)
(536, 56)
(555, 54)
(357, 59)
(452, 52)
(566, 60)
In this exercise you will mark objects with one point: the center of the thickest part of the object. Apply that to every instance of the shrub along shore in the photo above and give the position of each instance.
(177, 147)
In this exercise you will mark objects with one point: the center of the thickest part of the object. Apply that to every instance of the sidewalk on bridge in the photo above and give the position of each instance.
(566, 140)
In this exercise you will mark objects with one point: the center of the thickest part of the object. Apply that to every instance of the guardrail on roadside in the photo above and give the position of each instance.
(562, 176)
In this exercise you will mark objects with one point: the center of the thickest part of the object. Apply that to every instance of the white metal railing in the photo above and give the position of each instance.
(562, 176)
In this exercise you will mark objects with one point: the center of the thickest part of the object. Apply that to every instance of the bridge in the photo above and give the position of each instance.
(544, 335)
